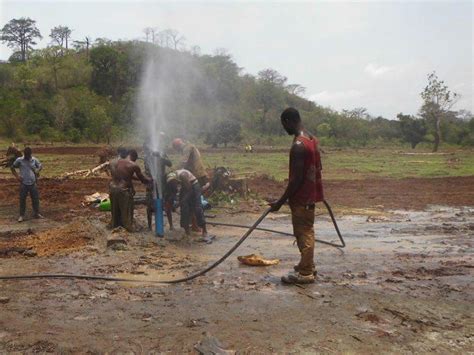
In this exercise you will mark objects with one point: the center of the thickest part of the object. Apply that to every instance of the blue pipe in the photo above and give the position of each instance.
(159, 228)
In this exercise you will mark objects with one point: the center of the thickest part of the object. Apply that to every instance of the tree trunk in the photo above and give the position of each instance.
(437, 134)
(56, 78)
(23, 52)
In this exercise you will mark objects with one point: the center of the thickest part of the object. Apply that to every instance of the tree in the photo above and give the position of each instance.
(195, 51)
(104, 60)
(151, 34)
(100, 125)
(269, 92)
(224, 132)
(413, 130)
(324, 130)
(60, 112)
(84, 44)
(10, 113)
(437, 101)
(170, 38)
(296, 89)
(357, 113)
(60, 36)
(272, 76)
(147, 32)
(53, 56)
(20, 34)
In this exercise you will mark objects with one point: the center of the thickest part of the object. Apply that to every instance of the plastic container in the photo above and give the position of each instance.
(105, 205)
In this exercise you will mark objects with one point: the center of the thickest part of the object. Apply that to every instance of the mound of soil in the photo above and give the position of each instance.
(65, 239)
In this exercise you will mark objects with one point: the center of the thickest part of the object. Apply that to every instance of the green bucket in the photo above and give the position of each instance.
(105, 205)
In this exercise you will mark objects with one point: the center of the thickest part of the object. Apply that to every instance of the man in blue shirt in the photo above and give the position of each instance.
(29, 168)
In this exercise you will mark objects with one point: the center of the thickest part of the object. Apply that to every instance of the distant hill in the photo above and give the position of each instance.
(109, 91)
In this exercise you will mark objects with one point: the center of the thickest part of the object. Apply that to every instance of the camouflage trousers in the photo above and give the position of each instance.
(122, 207)
(302, 218)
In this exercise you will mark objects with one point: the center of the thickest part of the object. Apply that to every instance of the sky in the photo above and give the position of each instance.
(373, 54)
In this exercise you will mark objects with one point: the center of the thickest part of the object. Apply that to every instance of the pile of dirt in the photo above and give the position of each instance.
(65, 239)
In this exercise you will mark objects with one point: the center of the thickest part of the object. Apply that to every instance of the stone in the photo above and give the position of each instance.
(30, 253)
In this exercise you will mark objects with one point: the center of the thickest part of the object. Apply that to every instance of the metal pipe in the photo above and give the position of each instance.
(328, 207)
(159, 222)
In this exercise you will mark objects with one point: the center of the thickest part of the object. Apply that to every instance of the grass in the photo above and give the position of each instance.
(54, 165)
(351, 164)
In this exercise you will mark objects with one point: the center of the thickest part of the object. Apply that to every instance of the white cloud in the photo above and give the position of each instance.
(330, 97)
(378, 71)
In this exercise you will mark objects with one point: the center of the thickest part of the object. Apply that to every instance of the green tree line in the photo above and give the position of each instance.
(86, 90)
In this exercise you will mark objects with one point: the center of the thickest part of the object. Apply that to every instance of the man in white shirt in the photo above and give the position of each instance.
(29, 168)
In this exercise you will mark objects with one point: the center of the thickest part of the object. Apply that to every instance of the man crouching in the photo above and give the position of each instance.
(189, 199)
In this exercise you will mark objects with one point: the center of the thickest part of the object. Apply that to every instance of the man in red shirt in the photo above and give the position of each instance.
(303, 191)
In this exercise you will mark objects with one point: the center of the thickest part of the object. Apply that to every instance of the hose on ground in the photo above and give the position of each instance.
(106, 278)
(192, 276)
(328, 207)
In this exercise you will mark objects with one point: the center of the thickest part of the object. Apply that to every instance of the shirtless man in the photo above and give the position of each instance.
(189, 198)
(121, 191)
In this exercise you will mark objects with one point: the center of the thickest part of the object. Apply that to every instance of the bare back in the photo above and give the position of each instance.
(123, 172)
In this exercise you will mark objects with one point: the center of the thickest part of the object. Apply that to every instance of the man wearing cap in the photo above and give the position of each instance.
(189, 198)
(191, 161)
(29, 168)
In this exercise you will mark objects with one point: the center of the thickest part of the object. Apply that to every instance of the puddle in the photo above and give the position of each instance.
(150, 277)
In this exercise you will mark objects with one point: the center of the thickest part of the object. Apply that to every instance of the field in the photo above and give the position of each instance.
(341, 164)
(402, 284)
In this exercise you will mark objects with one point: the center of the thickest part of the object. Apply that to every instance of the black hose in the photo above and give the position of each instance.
(106, 278)
(193, 276)
(328, 207)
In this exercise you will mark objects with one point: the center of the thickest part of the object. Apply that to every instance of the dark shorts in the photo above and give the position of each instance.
(192, 206)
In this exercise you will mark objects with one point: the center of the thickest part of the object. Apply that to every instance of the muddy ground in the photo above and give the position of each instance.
(402, 284)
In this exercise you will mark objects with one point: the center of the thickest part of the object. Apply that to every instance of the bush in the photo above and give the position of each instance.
(51, 134)
(74, 135)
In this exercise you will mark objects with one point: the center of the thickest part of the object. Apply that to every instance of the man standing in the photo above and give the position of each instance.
(189, 199)
(303, 191)
(121, 190)
(192, 161)
(29, 168)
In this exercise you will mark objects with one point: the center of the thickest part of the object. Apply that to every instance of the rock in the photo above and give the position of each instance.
(4, 300)
(30, 253)
(114, 240)
(119, 247)
(211, 345)
(348, 275)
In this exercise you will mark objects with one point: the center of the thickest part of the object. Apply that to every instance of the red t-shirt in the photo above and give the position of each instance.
(311, 190)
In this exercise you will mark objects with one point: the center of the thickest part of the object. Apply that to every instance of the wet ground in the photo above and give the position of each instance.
(402, 284)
